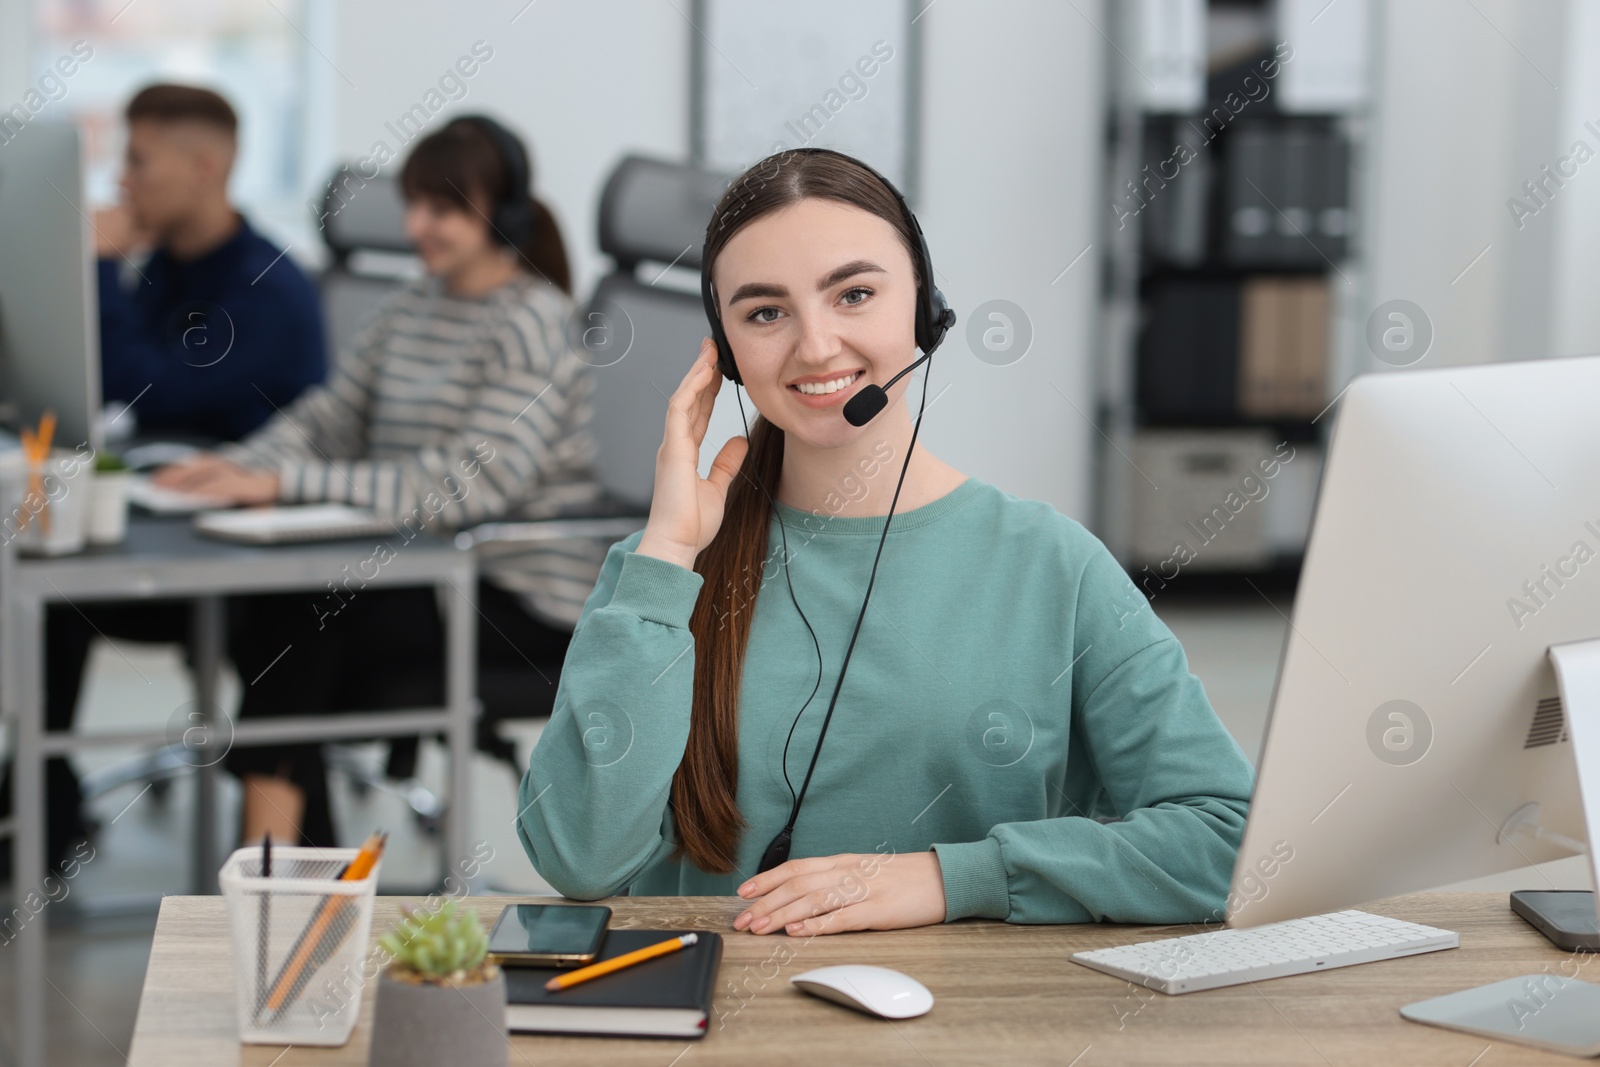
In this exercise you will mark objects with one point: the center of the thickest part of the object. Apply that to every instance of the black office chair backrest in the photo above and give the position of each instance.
(643, 324)
(656, 211)
(361, 214)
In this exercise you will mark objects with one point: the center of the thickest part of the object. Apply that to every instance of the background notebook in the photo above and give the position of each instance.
(288, 523)
(669, 996)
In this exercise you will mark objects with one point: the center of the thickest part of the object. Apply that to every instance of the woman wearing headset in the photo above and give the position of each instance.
(1018, 736)
(460, 403)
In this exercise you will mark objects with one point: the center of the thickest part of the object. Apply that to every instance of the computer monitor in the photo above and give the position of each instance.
(1417, 735)
(49, 318)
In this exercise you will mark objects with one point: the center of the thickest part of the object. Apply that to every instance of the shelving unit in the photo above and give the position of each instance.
(1233, 144)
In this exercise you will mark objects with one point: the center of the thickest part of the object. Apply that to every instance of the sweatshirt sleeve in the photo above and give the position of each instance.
(325, 424)
(508, 431)
(1155, 840)
(592, 810)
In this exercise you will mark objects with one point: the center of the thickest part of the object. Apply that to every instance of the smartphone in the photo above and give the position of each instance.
(1565, 916)
(549, 935)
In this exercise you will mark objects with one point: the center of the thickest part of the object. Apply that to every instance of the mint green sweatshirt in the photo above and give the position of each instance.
(1013, 704)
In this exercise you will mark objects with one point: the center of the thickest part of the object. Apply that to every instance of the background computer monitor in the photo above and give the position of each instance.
(49, 318)
(1456, 538)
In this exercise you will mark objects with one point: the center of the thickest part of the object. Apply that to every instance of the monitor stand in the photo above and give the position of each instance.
(1544, 1010)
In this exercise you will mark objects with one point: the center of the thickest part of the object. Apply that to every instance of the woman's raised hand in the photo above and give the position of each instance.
(687, 510)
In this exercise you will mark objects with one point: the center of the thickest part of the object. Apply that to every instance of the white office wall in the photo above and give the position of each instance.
(1012, 122)
(1469, 102)
(1008, 197)
(584, 82)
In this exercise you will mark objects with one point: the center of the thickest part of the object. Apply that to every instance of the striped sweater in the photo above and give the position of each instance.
(451, 411)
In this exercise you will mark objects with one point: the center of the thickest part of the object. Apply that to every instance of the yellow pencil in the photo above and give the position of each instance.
(294, 969)
(595, 970)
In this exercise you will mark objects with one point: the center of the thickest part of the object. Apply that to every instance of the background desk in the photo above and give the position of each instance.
(164, 558)
(1003, 994)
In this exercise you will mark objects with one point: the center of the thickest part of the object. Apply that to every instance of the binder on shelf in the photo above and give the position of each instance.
(1249, 188)
(1283, 351)
(1169, 40)
(1261, 333)
(1188, 362)
(1173, 217)
(1330, 172)
(1309, 385)
(1329, 71)
(1294, 222)
(1285, 194)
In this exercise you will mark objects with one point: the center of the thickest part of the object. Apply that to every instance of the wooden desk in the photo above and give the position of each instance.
(1003, 994)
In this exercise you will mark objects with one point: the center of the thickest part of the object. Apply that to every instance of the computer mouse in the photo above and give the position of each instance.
(873, 990)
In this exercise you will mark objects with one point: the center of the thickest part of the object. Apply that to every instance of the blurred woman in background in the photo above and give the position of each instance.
(460, 403)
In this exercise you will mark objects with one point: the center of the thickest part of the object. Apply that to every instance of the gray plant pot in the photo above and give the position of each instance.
(428, 1025)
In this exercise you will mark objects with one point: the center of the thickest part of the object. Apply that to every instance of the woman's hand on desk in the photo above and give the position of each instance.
(832, 894)
(686, 509)
(212, 476)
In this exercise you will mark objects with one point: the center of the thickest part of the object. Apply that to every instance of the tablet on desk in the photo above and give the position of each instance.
(290, 523)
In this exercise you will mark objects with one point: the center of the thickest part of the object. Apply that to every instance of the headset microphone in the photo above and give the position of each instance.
(865, 405)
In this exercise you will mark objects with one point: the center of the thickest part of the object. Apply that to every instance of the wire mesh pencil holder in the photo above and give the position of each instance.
(299, 944)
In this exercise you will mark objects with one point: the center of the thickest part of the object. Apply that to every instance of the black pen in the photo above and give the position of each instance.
(266, 917)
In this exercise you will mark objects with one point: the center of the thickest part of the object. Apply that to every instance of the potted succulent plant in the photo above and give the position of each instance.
(441, 1000)
(108, 500)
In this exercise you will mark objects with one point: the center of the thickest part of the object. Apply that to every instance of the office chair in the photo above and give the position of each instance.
(369, 258)
(638, 331)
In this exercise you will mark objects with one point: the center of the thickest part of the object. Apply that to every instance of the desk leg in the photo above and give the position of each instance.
(207, 622)
(24, 642)
(461, 695)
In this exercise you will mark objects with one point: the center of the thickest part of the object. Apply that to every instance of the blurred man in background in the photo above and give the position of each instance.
(219, 328)
(206, 339)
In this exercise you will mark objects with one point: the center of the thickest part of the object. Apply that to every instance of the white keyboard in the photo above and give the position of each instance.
(1297, 946)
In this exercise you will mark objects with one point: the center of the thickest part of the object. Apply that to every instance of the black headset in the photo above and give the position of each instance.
(514, 214)
(934, 317)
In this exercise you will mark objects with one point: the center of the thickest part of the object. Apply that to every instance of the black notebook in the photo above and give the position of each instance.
(669, 996)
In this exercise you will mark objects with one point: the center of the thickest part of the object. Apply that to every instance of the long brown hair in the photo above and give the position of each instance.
(462, 165)
(733, 567)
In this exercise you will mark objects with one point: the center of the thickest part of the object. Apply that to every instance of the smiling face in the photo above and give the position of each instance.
(448, 237)
(817, 300)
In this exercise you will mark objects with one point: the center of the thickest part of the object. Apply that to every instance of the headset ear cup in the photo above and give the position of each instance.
(514, 223)
(934, 318)
(730, 369)
(708, 300)
(942, 319)
(513, 217)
